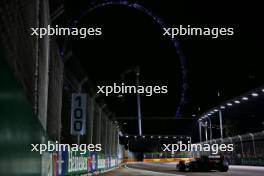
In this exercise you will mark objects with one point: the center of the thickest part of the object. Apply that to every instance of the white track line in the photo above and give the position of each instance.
(153, 172)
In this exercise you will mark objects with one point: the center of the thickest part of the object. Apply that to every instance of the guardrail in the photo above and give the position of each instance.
(248, 150)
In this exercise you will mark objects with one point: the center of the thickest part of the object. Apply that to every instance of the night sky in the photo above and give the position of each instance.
(230, 65)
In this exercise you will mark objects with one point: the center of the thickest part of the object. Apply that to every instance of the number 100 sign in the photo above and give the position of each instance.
(78, 114)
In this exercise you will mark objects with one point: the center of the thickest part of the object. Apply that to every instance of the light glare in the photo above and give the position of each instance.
(229, 104)
(245, 98)
(254, 94)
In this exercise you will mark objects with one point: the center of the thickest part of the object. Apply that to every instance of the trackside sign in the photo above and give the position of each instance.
(77, 163)
(78, 114)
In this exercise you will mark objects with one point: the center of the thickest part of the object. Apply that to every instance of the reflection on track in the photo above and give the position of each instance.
(169, 169)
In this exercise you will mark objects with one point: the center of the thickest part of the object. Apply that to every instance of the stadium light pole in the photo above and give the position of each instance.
(137, 72)
(138, 102)
(220, 117)
(221, 123)
(206, 132)
(200, 129)
(210, 127)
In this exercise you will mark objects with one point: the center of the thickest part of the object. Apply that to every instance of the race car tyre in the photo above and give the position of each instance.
(224, 167)
(182, 166)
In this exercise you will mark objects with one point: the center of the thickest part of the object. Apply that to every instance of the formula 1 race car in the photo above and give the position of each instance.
(204, 163)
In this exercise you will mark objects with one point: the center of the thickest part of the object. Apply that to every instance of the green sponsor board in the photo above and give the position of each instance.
(101, 162)
(77, 163)
(81, 164)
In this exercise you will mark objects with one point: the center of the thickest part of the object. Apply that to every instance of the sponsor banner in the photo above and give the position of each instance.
(54, 163)
(113, 162)
(77, 163)
(47, 164)
(106, 162)
(60, 162)
(101, 165)
(93, 162)
(74, 163)
(89, 162)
